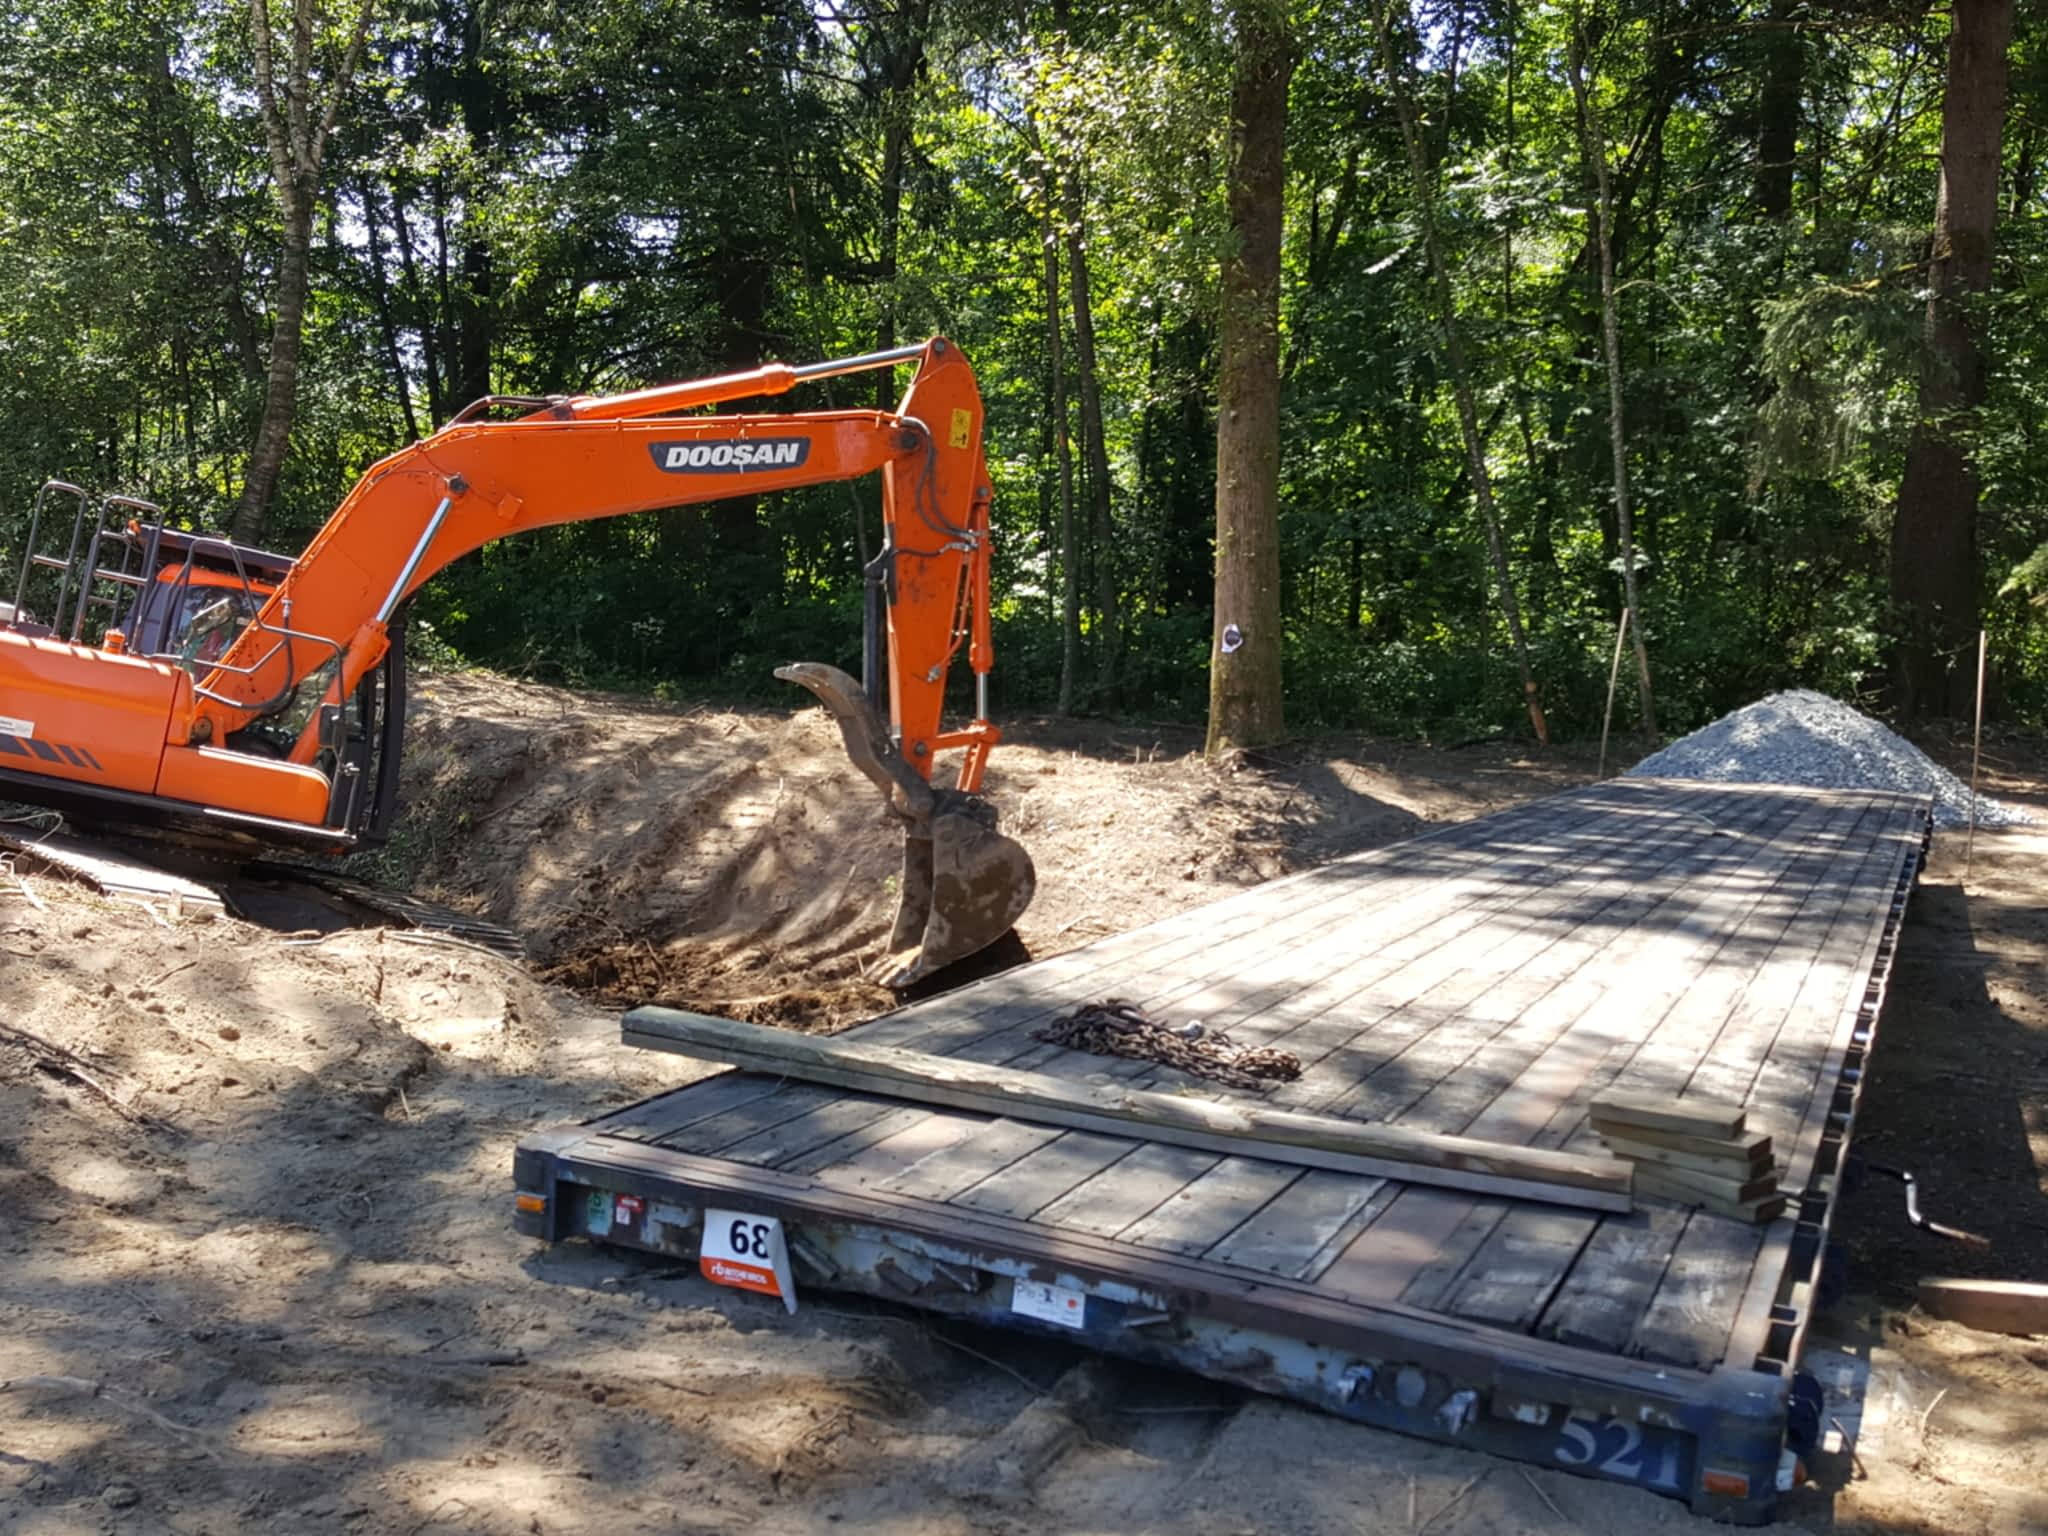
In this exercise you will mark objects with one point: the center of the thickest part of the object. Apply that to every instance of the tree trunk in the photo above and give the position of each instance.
(1245, 662)
(380, 294)
(297, 128)
(1595, 145)
(1461, 377)
(1934, 576)
(281, 385)
(1777, 139)
(1108, 588)
(424, 311)
(1055, 361)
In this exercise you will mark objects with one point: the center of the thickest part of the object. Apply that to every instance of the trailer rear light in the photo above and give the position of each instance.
(1733, 1484)
(533, 1205)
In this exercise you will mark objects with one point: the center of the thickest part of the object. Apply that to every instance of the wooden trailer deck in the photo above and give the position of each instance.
(1488, 978)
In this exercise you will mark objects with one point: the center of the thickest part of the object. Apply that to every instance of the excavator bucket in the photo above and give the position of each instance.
(964, 884)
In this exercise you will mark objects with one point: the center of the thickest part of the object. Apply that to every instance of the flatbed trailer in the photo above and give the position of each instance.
(1488, 978)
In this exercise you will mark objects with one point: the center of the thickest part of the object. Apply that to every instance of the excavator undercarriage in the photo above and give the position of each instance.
(235, 700)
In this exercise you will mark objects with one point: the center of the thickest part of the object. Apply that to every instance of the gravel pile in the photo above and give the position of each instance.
(1807, 738)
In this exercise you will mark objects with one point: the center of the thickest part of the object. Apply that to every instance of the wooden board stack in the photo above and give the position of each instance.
(1692, 1150)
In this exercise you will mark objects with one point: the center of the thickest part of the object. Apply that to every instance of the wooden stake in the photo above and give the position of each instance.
(1613, 678)
(1976, 750)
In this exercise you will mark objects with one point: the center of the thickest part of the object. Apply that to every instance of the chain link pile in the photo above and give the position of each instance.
(1119, 1028)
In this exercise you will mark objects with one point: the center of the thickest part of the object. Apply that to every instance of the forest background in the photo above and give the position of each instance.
(245, 251)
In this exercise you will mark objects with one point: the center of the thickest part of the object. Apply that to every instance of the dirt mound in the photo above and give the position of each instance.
(703, 859)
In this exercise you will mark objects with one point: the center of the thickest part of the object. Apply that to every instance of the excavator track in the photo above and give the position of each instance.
(174, 879)
(402, 910)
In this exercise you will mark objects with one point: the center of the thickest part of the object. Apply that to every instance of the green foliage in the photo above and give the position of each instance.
(532, 199)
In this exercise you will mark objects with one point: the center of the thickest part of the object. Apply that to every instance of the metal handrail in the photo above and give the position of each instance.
(257, 625)
(35, 521)
(153, 514)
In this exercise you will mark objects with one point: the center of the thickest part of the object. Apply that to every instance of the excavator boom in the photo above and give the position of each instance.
(255, 733)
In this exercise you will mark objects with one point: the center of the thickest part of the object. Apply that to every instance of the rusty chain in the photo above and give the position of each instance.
(1119, 1028)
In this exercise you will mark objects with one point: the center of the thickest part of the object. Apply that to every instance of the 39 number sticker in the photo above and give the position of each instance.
(747, 1252)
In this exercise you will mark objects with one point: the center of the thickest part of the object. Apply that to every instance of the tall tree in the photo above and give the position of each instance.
(1063, 450)
(1934, 574)
(1244, 660)
(298, 123)
(1594, 138)
(1094, 446)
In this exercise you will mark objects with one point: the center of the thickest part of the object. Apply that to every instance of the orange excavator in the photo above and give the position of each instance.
(223, 695)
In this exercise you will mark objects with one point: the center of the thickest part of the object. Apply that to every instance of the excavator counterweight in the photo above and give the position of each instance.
(238, 697)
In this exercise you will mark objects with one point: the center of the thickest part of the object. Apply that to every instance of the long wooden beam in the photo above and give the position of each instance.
(1242, 1129)
(1991, 1306)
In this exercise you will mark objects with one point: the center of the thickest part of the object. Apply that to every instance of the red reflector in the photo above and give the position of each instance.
(534, 1203)
(1734, 1484)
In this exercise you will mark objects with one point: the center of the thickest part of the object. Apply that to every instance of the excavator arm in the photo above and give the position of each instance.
(477, 481)
(250, 735)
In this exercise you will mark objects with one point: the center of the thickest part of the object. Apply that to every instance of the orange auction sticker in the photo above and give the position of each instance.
(745, 1277)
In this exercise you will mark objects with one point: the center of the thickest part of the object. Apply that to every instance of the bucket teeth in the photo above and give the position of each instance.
(964, 883)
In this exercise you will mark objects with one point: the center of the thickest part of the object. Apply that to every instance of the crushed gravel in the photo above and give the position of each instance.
(1803, 737)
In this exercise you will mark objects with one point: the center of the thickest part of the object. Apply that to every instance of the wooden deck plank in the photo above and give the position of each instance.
(1419, 1044)
(876, 1162)
(1005, 1036)
(844, 1148)
(1032, 1183)
(1005, 999)
(1128, 1190)
(1240, 975)
(1519, 1268)
(712, 1133)
(1513, 891)
(844, 1115)
(1795, 1072)
(1865, 996)
(1211, 1207)
(1217, 974)
(1689, 1318)
(651, 1119)
(1606, 1289)
(1287, 1235)
(1908, 837)
(1357, 998)
(961, 1165)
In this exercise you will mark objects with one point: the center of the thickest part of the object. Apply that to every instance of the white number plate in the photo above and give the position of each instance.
(1062, 1304)
(748, 1253)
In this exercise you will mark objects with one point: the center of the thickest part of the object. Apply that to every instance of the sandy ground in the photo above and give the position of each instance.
(274, 1286)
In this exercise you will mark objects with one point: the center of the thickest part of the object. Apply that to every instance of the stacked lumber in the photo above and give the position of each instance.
(1692, 1150)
